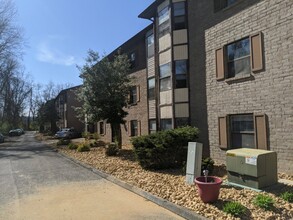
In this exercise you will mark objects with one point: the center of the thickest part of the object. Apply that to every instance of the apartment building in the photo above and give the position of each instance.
(65, 103)
(224, 66)
(136, 122)
(179, 98)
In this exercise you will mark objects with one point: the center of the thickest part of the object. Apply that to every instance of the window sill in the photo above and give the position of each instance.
(239, 78)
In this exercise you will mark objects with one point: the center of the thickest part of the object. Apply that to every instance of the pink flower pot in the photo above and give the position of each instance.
(208, 191)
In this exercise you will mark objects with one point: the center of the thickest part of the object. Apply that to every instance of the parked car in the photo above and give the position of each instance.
(67, 133)
(14, 132)
(1, 138)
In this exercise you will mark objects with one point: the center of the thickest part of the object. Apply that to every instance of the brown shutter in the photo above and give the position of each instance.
(220, 71)
(138, 128)
(223, 135)
(129, 128)
(260, 127)
(137, 93)
(256, 52)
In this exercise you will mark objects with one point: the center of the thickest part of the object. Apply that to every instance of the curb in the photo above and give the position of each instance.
(181, 211)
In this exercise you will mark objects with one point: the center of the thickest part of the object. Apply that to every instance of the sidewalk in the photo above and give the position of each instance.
(85, 200)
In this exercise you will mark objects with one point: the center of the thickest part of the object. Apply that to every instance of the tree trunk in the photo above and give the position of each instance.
(116, 134)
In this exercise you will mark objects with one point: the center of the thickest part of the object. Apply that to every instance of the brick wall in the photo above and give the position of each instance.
(270, 91)
(72, 103)
(135, 112)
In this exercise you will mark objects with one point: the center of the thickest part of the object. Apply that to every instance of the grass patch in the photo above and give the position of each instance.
(287, 196)
(234, 208)
(83, 148)
(72, 146)
(264, 201)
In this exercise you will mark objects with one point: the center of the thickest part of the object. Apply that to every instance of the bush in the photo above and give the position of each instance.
(89, 136)
(63, 142)
(72, 146)
(83, 147)
(234, 208)
(264, 201)
(112, 149)
(287, 196)
(207, 164)
(164, 149)
(95, 136)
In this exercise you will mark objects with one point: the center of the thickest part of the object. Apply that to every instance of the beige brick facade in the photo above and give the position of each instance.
(269, 91)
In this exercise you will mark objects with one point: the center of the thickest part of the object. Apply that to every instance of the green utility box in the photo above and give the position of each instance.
(252, 167)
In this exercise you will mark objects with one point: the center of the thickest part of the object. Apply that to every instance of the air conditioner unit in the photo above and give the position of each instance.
(252, 167)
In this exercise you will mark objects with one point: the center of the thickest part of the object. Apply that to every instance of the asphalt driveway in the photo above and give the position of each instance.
(38, 183)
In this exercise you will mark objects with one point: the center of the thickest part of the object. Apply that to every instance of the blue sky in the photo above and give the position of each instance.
(58, 33)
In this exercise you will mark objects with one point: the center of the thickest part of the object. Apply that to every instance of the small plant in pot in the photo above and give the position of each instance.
(208, 187)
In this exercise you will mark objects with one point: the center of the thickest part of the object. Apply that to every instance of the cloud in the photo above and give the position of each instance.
(48, 54)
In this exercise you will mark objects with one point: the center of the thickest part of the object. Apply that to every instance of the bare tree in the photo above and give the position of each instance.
(13, 87)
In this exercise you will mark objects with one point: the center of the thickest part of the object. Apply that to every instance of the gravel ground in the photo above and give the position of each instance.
(170, 185)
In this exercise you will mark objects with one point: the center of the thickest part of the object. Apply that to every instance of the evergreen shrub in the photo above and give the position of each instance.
(164, 149)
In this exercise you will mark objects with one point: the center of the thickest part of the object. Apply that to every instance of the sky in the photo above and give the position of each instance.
(58, 33)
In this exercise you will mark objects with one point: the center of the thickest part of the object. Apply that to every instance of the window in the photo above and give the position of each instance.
(132, 59)
(240, 58)
(151, 88)
(101, 127)
(150, 45)
(133, 128)
(243, 131)
(221, 4)
(181, 73)
(164, 21)
(179, 16)
(166, 124)
(165, 77)
(134, 95)
(152, 126)
(164, 15)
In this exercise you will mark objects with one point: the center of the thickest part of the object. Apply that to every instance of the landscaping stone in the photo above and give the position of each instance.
(170, 185)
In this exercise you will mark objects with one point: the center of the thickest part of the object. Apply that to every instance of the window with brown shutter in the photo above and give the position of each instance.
(238, 59)
(243, 131)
